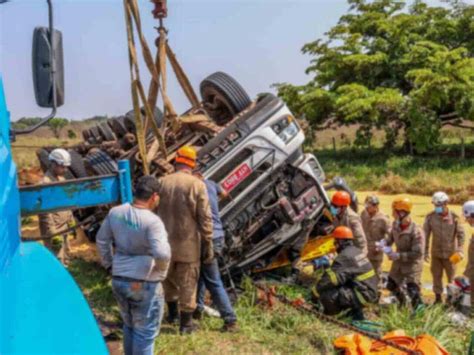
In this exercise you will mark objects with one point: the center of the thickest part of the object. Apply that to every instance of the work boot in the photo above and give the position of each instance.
(173, 314)
(438, 299)
(230, 327)
(186, 325)
(197, 314)
(357, 314)
(400, 296)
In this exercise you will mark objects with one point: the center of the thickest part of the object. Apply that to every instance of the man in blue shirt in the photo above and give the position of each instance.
(210, 276)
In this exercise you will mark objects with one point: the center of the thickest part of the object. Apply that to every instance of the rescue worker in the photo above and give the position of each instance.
(133, 245)
(350, 283)
(376, 227)
(186, 213)
(51, 223)
(447, 243)
(344, 216)
(210, 276)
(407, 259)
(468, 212)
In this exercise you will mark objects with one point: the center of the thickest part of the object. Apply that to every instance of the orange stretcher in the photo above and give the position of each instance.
(357, 344)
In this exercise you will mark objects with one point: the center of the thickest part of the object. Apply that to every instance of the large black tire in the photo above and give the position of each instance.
(43, 159)
(223, 97)
(95, 136)
(101, 163)
(118, 126)
(86, 135)
(130, 119)
(106, 132)
(77, 167)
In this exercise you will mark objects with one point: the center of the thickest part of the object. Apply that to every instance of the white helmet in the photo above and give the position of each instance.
(468, 209)
(440, 198)
(60, 156)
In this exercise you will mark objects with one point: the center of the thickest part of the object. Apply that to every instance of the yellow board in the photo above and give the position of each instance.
(314, 248)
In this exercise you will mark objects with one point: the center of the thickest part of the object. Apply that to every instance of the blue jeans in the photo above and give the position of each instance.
(210, 278)
(141, 307)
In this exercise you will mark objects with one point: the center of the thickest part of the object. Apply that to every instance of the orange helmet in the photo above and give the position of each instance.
(341, 198)
(186, 155)
(402, 204)
(342, 232)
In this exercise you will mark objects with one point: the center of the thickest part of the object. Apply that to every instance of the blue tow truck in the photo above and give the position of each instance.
(42, 310)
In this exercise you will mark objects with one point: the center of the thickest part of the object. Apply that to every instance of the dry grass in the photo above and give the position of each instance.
(24, 148)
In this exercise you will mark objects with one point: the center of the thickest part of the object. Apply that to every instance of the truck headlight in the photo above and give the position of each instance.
(286, 128)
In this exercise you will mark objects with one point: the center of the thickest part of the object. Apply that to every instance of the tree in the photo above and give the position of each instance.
(71, 134)
(388, 68)
(56, 125)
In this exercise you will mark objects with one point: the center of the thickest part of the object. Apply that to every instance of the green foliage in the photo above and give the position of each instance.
(388, 68)
(71, 134)
(396, 172)
(433, 321)
(56, 125)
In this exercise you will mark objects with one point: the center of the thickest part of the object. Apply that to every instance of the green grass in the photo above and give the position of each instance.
(264, 330)
(394, 172)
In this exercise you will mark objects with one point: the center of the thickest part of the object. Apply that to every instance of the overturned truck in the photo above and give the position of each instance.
(253, 149)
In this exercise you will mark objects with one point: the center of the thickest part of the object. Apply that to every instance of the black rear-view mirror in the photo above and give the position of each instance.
(43, 67)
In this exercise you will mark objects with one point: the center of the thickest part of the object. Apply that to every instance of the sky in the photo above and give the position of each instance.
(258, 42)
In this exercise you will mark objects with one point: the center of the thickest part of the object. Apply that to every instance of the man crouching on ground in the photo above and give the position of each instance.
(139, 265)
(186, 213)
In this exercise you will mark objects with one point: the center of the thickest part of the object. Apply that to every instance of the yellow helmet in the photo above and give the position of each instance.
(402, 204)
(186, 155)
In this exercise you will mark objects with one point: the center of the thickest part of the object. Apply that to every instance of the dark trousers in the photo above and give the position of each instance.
(210, 279)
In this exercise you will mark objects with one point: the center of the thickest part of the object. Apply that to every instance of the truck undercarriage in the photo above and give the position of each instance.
(252, 149)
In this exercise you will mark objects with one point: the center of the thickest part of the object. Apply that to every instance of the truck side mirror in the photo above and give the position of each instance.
(43, 76)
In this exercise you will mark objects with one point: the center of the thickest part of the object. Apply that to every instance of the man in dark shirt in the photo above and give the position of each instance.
(210, 277)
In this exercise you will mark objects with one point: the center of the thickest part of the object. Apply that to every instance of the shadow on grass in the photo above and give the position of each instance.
(95, 283)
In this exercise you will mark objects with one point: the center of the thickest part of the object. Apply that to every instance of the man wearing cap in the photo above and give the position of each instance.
(185, 210)
(376, 227)
(343, 215)
(447, 242)
(51, 223)
(350, 283)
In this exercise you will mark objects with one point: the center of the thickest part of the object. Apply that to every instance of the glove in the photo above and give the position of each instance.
(394, 256)
(321, 262)
(379, 246)
(456, 257)
(387, 250)
(208, 253)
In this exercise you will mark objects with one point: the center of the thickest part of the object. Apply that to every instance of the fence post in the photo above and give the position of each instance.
(334, 144)
(463, 148)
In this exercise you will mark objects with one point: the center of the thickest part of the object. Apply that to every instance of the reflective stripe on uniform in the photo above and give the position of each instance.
(366, 276)
(332, 276)
(360, 298)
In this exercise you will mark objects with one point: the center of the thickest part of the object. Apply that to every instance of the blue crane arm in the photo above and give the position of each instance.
(80, 193)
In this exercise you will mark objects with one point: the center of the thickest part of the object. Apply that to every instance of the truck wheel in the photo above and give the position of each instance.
(106, 132)
(101, 163)
(223, 97)
(86, 135)
(95, 136)
(130, 118)
(118, 126)
(43, 159)
(77, 167)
